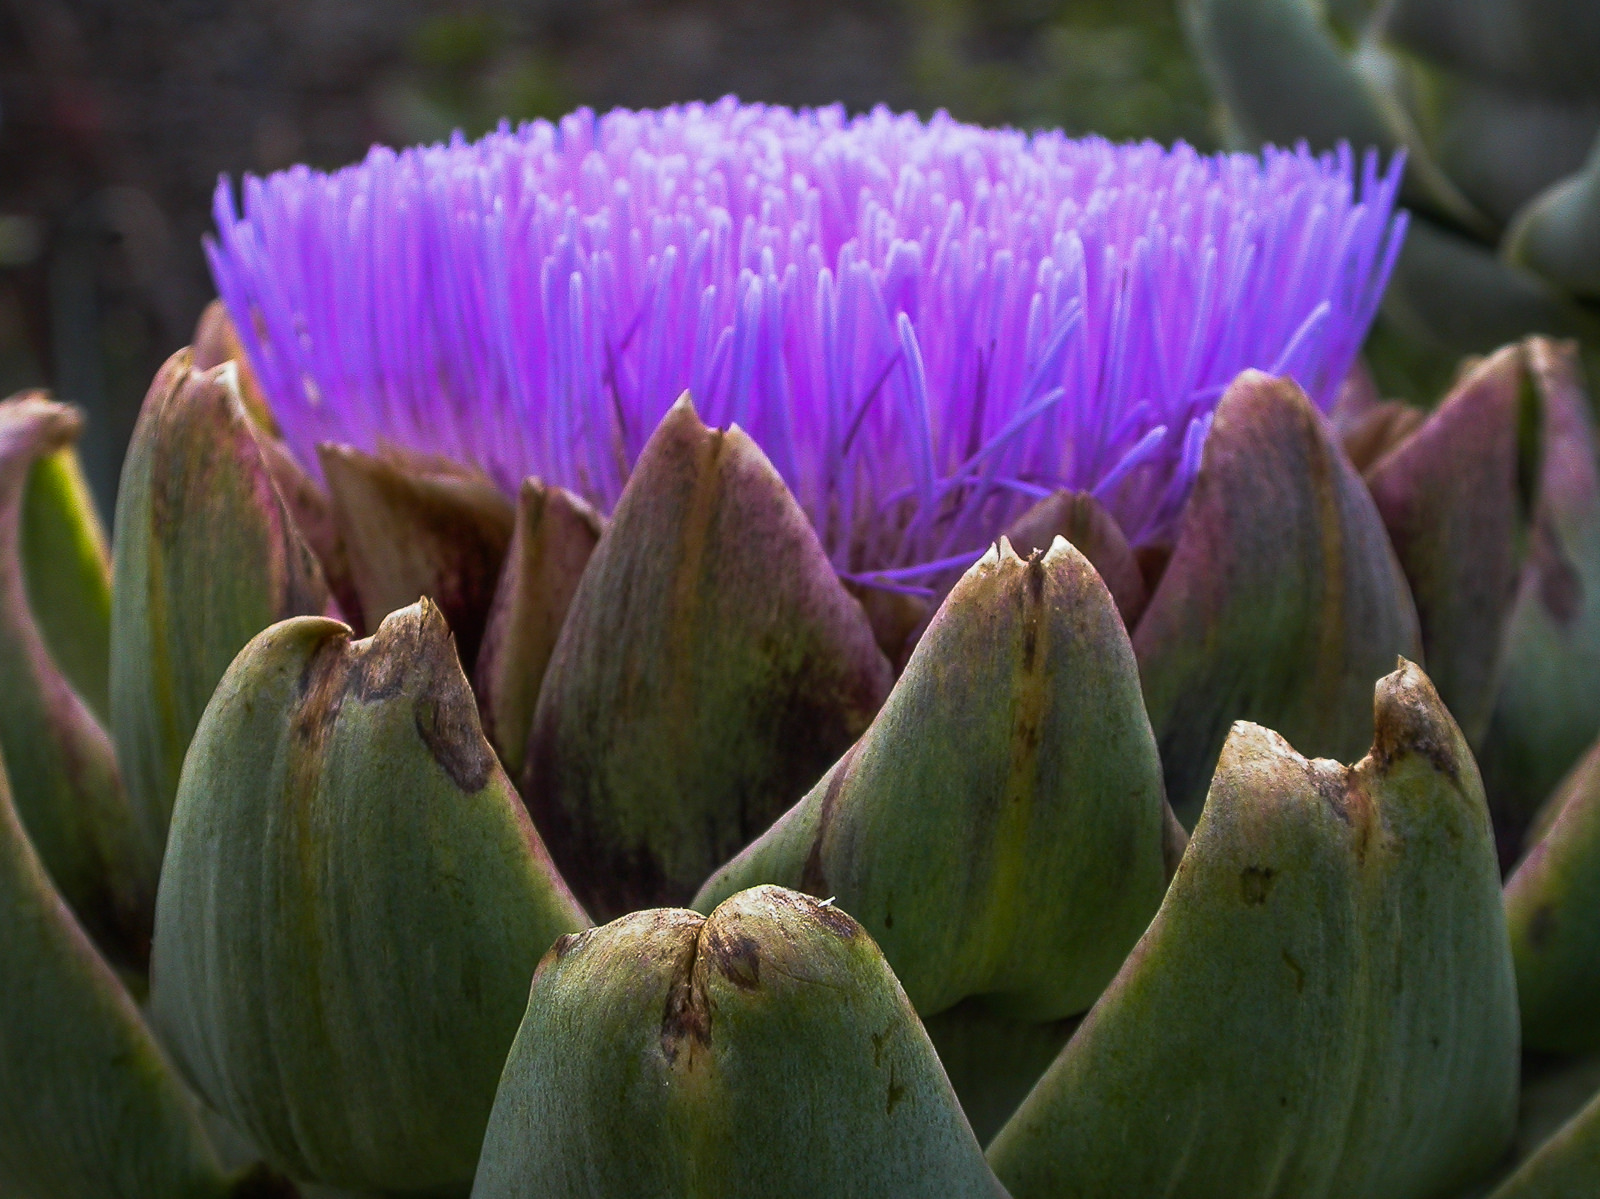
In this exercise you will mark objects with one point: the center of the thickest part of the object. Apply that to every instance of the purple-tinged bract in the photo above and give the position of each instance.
(925, 325)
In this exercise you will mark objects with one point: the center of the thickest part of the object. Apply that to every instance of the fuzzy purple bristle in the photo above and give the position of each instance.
(925, 325)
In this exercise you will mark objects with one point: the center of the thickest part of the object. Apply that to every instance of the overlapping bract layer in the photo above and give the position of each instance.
(350, 877)
(924, 325)
(918, 329)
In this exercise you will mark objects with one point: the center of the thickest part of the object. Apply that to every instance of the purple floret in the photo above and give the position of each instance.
(925, 325)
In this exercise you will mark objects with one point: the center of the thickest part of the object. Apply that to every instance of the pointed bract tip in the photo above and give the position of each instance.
(683, 407)
(414, 653)
(33, 425)
(1251, 742)
(793, 912)
(1259, 385)
(1409, 719)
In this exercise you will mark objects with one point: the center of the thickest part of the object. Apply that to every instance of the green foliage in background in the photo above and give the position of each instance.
(1119, 68)
(1497, 106)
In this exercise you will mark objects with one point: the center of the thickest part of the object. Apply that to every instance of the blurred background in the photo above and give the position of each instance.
(117, 116)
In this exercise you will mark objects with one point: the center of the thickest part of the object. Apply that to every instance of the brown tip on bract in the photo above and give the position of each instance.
(1094, 532)
(413, 651)
(1412, 721)
(412, 900)
(1326, 993)
(33, 425)
(773, 1022)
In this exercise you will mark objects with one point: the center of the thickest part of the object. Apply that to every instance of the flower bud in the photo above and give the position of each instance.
(352, 904)
(1281, 75)
(69, 795)
(204, 556)
(1324, 1004)
(1285, 78)
(1282, 602)
(1558, 235)
(765, 1050)
(1368, 425)
(709, 671)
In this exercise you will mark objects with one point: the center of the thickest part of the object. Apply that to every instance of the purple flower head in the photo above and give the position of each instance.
(926, 325)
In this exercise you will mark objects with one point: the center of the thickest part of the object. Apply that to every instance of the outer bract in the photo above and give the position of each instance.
(70, 797)
(765, 1050)
(1547, 709)
(1324, 1005)
(1451, 494)
(711, 668)
(352, 904)
(411, 526)
(1493, 505)
(1094, 533)
(204, 556)
(88, 1105)
(1282, 602)
(1551, 901)
(67, 566)
(554, 535)
(1567, 1166)
(1000, 829)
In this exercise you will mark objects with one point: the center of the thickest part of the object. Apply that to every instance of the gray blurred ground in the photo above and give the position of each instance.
(117, 117)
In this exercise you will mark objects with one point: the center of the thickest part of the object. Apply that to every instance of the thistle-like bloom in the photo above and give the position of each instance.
(925, 325)
(915, 841)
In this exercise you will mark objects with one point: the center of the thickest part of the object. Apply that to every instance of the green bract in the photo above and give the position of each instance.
(69, 795)
(1497, 105)
(763, 1050)
(388, 739)
(205, 555)
(1324, 1005)
(352, 903)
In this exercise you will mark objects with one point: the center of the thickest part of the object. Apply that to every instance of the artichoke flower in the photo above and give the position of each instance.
(675, 653)
(1497, 105)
